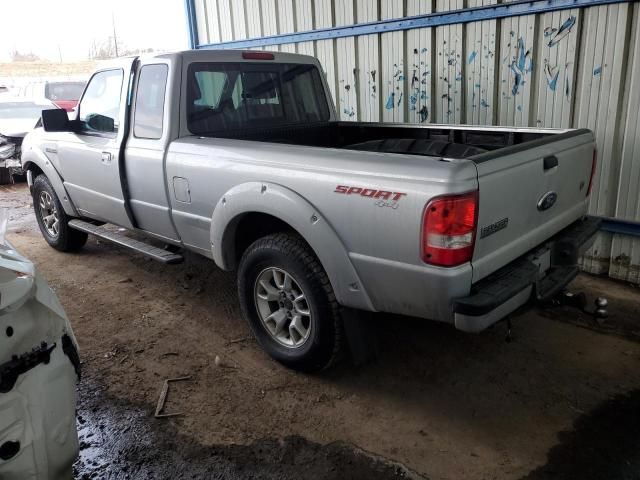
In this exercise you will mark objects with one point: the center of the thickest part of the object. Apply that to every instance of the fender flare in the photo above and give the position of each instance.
(290, 207)
(37, 157)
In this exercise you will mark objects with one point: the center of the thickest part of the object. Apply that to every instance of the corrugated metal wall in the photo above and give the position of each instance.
(568, 68)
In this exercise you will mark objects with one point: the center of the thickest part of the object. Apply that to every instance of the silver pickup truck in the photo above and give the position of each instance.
(239, 156)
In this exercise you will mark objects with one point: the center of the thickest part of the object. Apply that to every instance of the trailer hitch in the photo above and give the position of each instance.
(579, 300)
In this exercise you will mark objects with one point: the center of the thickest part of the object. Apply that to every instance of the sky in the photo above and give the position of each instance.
(68, 28)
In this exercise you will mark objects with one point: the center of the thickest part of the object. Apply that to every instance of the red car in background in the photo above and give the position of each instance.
(64, 94)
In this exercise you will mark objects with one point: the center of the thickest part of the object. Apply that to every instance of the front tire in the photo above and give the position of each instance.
(52, 219)
(287, 299)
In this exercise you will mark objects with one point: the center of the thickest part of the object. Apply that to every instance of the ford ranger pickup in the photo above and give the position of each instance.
(240, 157)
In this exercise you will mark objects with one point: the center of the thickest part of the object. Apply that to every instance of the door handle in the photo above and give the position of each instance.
(550, 162)
(106, 158)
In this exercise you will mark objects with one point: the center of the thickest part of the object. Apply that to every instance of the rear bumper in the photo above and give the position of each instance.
(540, 275)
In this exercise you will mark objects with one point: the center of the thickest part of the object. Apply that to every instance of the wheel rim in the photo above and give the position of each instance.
(283, 307)
(48, 214)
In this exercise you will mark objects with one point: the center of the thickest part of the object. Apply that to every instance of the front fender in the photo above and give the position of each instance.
(290, 207)
(35, 156)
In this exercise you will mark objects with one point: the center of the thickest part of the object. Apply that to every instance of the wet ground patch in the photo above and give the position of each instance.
(120, 440)
(604, 444)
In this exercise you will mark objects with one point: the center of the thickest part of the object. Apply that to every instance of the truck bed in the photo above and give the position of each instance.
(432, 140)
(516, 168)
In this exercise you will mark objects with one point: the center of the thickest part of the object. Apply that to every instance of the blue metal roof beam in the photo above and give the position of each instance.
(465, 15)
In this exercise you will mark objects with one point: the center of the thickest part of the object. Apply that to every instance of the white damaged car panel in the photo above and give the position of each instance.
(39, 367)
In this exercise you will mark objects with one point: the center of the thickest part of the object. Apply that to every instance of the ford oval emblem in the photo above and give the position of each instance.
(547, 201)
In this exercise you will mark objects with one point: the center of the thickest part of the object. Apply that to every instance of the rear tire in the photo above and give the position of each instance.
(52, 219)
(287, 299)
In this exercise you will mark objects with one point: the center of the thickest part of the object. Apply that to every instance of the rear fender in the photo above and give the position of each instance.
(288, 206)
(34, 156)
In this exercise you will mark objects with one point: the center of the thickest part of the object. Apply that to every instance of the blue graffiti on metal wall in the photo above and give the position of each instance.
(552, 72)
(557, 34)
(419, 84)
(521, 65)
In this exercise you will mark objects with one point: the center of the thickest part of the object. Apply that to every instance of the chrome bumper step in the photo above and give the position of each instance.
(104, 233)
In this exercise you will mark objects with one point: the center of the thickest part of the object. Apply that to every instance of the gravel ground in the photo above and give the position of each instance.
(562, 400)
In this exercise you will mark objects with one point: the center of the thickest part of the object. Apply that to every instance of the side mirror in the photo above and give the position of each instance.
(55, 120)
(101, 123)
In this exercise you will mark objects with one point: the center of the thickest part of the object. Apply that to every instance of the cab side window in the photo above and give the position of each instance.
(100, 105)
(149, 109)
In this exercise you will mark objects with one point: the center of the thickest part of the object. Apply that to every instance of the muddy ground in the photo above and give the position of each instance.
(562, 400)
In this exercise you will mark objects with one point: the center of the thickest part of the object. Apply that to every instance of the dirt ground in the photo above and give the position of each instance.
(562, 400)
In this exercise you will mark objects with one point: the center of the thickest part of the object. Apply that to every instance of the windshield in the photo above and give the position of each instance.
(222, 96)
(26, 110)
(64, 90)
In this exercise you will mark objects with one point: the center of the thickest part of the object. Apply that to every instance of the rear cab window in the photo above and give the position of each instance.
(229, 96)
(149, 107)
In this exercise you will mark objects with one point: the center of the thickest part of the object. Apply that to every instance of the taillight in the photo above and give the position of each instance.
(258, 56)
(449, 229)
(594, 163)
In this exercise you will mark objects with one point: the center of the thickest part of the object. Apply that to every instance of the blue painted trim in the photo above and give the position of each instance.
(192, 24)
(465, 15)
(623, 227)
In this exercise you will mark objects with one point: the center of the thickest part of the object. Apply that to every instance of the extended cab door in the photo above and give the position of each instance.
(150, 133)
(90, 160)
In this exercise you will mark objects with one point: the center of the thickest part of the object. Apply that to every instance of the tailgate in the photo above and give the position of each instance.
(527, 194)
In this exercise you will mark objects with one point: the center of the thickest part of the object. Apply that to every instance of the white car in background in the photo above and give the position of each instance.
(39, 365)
(18, 116)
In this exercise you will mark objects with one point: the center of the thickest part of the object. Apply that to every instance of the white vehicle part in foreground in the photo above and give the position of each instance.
(38, 436)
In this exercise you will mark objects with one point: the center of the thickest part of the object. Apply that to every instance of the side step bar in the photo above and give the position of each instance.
(156, 253)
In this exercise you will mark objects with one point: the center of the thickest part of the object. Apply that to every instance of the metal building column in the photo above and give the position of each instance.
(192, 24)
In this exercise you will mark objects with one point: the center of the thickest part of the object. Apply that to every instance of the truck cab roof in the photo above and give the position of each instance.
(216, 56)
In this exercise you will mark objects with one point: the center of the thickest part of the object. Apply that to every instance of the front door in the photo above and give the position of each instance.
(90, 158)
